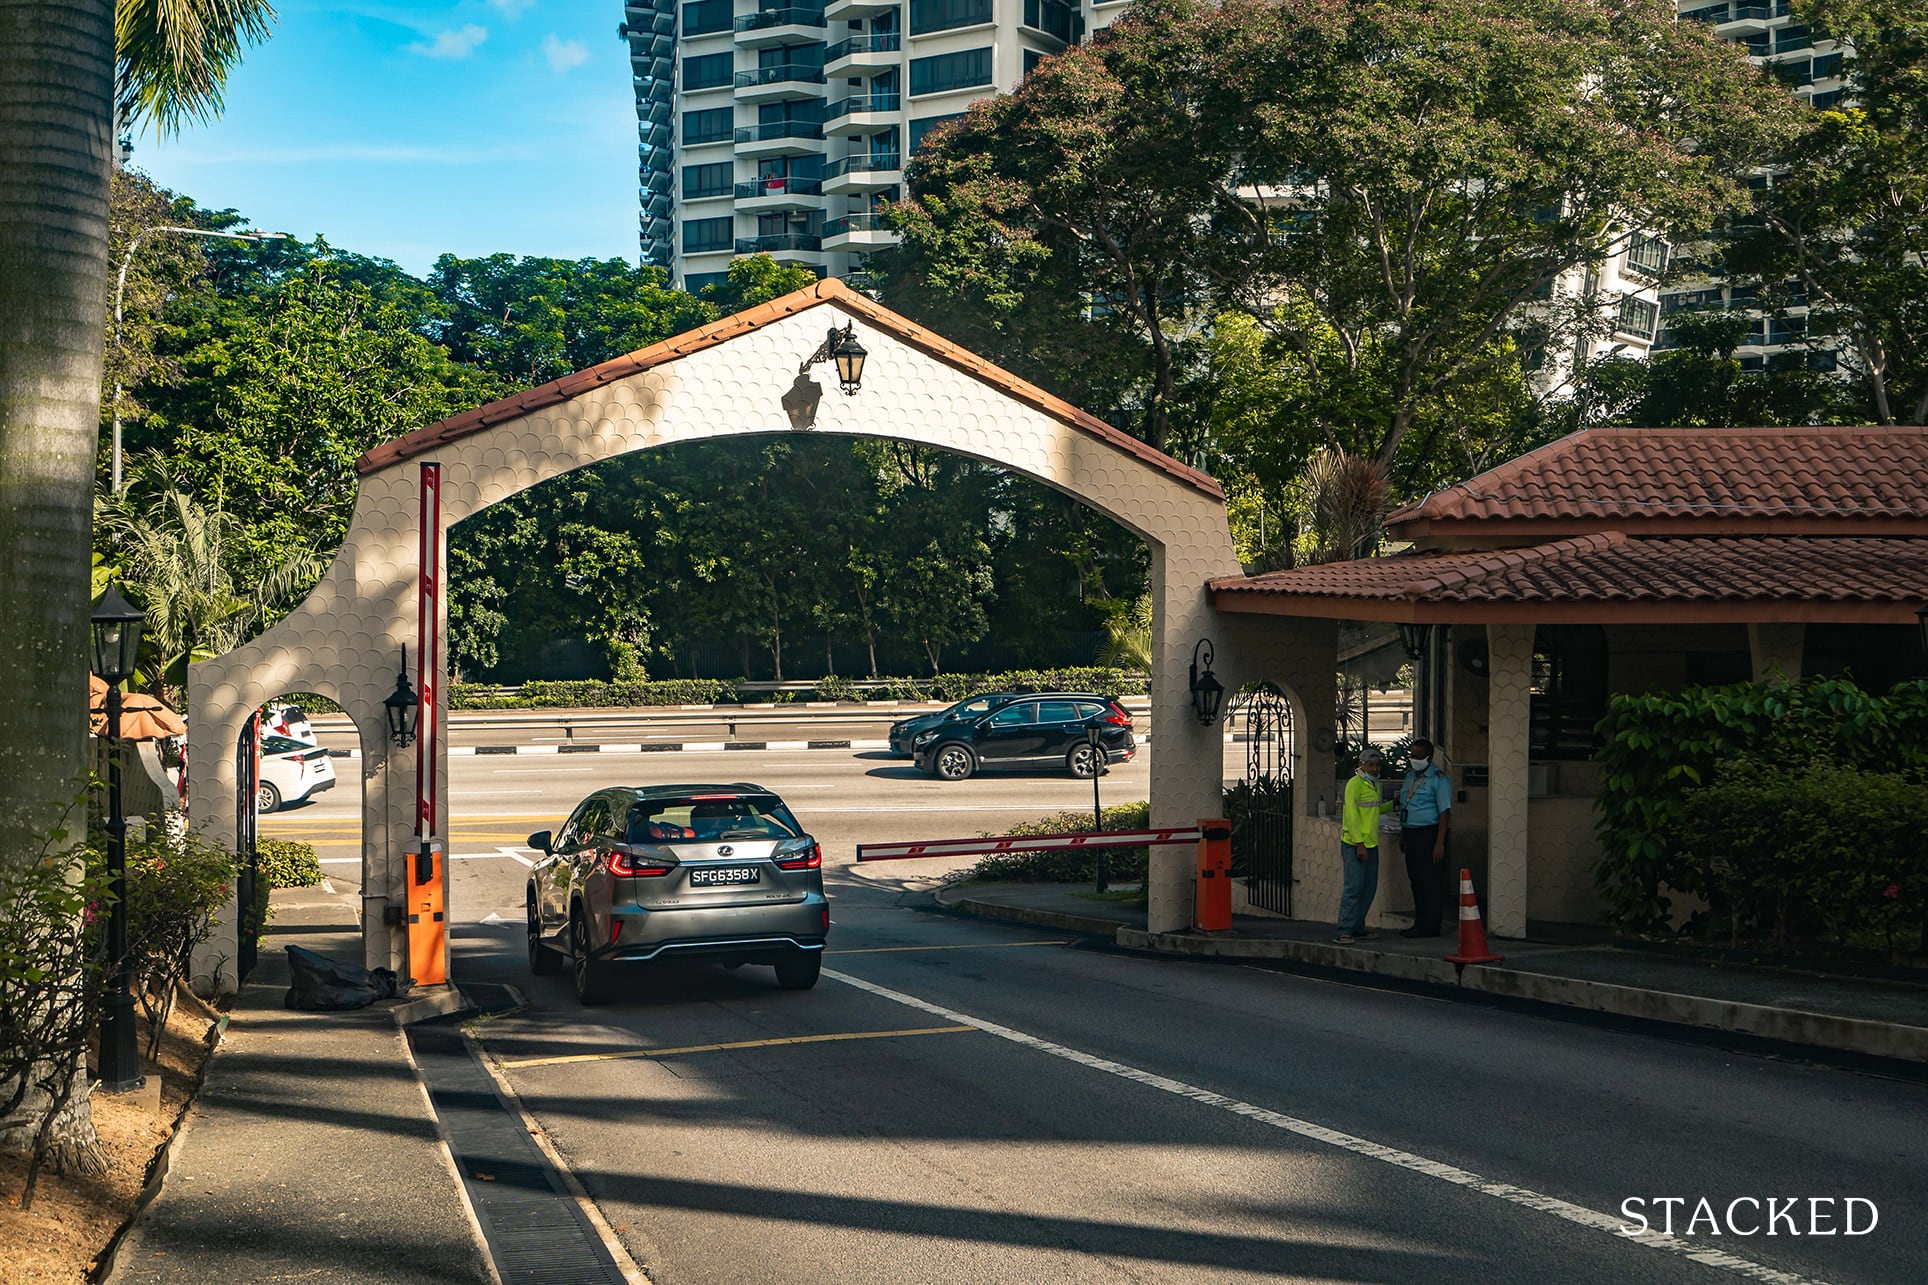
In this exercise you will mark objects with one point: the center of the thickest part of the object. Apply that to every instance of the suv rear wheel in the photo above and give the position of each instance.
(953, 762)
(798, 971)
(591, 978)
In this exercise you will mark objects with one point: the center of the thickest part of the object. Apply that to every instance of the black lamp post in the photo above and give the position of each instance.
(401, 705)
(1207, 691)
(117, 645)
(1092, 734)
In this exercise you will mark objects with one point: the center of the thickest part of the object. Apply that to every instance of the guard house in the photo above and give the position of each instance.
(1619, 560)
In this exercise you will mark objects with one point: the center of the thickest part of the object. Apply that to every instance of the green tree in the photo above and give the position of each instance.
(530, 319)
(1847, 214)
(58, 63)
(1701, 382)
(755, 279)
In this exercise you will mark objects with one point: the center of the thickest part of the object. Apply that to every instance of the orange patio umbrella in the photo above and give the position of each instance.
(143, 718)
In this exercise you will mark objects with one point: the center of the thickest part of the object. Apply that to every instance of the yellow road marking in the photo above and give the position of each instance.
(740, 1044)
(983, 945)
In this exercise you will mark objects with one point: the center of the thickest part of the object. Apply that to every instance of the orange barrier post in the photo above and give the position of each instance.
(1472, 931)
(427, 918)
(1213, 904)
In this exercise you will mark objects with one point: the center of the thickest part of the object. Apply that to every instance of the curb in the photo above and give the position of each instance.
(445, 1001)
(1760, 1021)
(650, 747)
(1027, 915)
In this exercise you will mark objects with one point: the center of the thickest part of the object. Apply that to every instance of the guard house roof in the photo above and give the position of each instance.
(1647, 525)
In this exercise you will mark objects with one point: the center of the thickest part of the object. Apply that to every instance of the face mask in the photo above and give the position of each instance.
(1419, 764)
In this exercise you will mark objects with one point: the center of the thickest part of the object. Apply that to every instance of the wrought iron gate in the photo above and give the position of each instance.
(247, 775)
(1260, 805)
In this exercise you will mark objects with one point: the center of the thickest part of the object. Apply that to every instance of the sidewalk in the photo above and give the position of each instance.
(1874, 1018)
(310, 1152)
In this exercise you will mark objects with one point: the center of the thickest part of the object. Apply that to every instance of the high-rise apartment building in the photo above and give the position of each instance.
(1813, 72)
(776, 126)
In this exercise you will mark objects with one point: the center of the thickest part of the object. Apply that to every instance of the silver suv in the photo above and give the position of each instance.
(640, 873)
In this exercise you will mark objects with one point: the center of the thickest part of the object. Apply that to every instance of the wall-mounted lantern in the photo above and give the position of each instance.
(402, 705)
(1207, 691)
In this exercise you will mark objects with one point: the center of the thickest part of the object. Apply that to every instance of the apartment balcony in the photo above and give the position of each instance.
(862, 174)
(778, 84)
(778, 27)
(857, 232)
(845, 10)
(783, 138)
(863, 55)
(779, 193)
(1751, 16)
(862, 114)
(785, 247)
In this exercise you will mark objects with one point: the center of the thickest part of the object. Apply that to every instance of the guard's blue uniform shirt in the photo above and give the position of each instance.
(1423, 796)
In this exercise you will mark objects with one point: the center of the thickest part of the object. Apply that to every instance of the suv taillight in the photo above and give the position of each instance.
(623, 865)
(811, 862)
(1118, 718)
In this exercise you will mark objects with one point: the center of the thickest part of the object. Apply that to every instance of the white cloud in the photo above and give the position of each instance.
(511, 8)
(451, 44)
(564, 54)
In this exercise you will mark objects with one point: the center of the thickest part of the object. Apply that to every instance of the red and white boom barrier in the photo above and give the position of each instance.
(1023, 843)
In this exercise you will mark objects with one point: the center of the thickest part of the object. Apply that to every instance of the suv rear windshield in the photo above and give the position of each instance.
(712, 817)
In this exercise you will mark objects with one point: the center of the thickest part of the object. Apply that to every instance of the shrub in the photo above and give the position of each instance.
(832, 688)
(1079, 865)
(175, 887)
(287, 863)
(1808, 850)
(1659, 748)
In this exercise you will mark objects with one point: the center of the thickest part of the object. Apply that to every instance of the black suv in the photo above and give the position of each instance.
(1042, 725)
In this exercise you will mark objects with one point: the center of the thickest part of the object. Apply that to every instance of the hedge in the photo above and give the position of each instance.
(1659, 749)
(287, 863)
(593, 694)
(1072, 865)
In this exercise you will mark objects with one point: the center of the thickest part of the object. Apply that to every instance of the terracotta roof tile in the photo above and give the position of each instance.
(1736, 477)
(1614, 567)
(828, 291)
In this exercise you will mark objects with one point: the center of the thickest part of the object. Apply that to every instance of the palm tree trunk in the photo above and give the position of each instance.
(56, 140)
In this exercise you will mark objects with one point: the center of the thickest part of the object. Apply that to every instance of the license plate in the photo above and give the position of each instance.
(715, 875)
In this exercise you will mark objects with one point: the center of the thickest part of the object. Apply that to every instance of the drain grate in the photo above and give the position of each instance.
(535, 1231)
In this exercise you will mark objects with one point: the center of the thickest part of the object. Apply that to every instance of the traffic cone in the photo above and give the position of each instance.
(1472, 932)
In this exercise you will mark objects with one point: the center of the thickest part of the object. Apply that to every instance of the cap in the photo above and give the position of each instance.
(1372, 756)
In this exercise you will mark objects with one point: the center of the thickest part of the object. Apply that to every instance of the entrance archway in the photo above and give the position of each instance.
(734, 377)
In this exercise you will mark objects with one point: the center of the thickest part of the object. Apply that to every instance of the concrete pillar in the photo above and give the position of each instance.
(1187, 757)
(1776, 651)
(1509, 700)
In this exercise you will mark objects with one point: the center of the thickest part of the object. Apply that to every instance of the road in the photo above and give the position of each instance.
(981, 1102)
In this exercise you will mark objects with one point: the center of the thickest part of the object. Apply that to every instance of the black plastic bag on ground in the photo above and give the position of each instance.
(321, 984)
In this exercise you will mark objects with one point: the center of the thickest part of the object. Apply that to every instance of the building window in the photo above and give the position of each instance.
(1637, 317)
(708, 180)
(966, 69)
(1052, 17)
(1569, 690)
(712, 125)
(944, 15)
(703, 236)
(1031, 59)
(710, 71)
(707, 17)
(698, 282)
(1647, 255)
(919, 128)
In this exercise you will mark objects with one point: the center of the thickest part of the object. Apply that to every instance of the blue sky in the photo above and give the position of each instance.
(408, 130)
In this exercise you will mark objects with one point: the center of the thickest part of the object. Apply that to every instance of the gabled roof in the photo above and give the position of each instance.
(829, 291)
(1692, 481)
(1609, 577)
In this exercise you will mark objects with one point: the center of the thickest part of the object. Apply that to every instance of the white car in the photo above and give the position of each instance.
(290, 773)
(290, 722)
